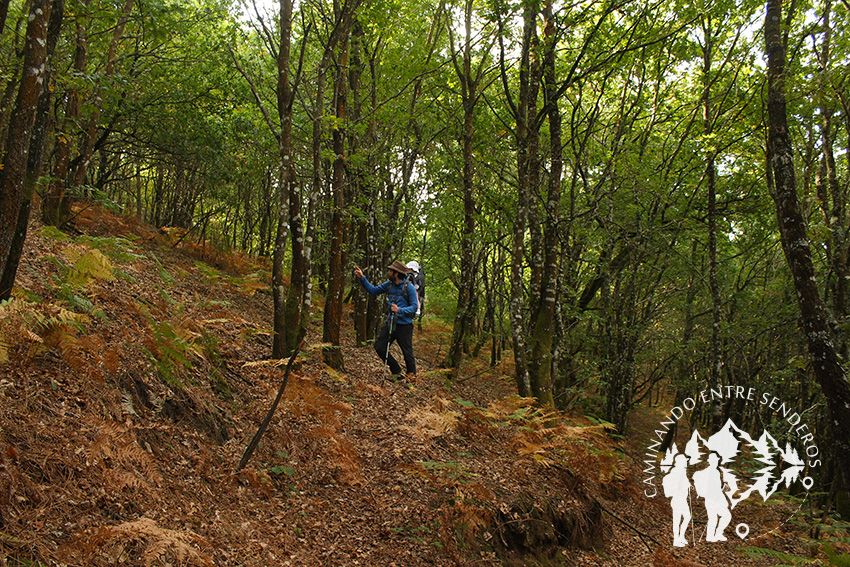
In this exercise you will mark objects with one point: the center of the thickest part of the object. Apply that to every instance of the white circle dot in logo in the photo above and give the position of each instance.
(808, 482)
(743, 530)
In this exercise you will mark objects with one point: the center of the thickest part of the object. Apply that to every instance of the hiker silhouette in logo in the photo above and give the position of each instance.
(709, 484)
(676, 487)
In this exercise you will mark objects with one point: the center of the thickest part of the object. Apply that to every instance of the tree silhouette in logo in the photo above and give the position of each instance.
(760, 466)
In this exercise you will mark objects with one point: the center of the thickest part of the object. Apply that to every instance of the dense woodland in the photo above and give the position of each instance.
(633, 200)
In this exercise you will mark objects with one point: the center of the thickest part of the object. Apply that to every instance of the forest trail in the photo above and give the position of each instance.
(119, 442)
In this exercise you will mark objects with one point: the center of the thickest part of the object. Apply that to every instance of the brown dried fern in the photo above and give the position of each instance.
(436, 420)
(347, 460)
(117, 452)
(259, 481)
(306, 398)
(97, 352)
(154, 544)
(39, 328)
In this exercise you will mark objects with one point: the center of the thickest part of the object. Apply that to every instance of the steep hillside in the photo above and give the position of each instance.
(134, 371)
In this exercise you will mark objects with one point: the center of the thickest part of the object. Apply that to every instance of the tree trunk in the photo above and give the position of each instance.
(527, 174)
(715, 361)
(34, 158)
(336, 278)
(284, 109)
(542, 382)
(295, 317)
(265, 213)
(56, 208)
(829, 184)
(20, 128)
(4, 11)
(90, 134)
(362, 192)
(795, 244)
(318, 168)
(467, 278)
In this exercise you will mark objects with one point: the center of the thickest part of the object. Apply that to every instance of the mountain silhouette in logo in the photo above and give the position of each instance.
(749, 465)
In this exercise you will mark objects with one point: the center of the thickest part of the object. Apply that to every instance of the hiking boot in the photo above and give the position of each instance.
(395, 378)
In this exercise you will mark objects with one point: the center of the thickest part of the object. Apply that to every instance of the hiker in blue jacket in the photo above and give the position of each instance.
(398, 326)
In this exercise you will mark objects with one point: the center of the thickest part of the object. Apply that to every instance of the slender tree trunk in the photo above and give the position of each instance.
(297, 309)
(715, 362)
(542, 380)
(836, 218)
(7, 101)
(159, 196)
(363, 193)
(318, 169)
(284, 110)
(265, 214)
(815, 320)
(139, 184)
(467, 278)
(336, 278)
(4, 11)
(34, 157)
(527, 163)
(56, 207)
(90, 134)
(516, 305)
(20, 128)
(296, 316)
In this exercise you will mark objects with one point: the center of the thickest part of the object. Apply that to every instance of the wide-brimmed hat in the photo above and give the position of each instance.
(399, 267)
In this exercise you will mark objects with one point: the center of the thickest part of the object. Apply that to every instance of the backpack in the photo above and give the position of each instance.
(405, 287)
(417, 277)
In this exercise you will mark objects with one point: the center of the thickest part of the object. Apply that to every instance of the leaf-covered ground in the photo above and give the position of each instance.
(134, 371)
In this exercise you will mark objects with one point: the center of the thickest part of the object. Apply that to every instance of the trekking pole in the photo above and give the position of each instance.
(390, 325)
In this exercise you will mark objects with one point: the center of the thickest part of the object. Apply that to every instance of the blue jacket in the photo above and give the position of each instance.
(395, 294)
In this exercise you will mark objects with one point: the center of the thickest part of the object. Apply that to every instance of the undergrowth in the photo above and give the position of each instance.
(545, 443)
(829, 544)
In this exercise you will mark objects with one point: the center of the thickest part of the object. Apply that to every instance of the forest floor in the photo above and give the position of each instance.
(121, 429)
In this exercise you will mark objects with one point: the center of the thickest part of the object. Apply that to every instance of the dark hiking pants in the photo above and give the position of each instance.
(403, 335)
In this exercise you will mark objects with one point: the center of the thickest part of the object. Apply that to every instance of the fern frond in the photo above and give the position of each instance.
(41, 327)
(432, 422)
(158, 542)
(164, 274)
(116, 450)
(88, 264)
(33, 337)
(79, 303)
(70, 349)
(67, 317)
(259, 481)
(346, 458)
(173, 347)
(100, 357)
(117, 248)
(772, 554)
(119, 480)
